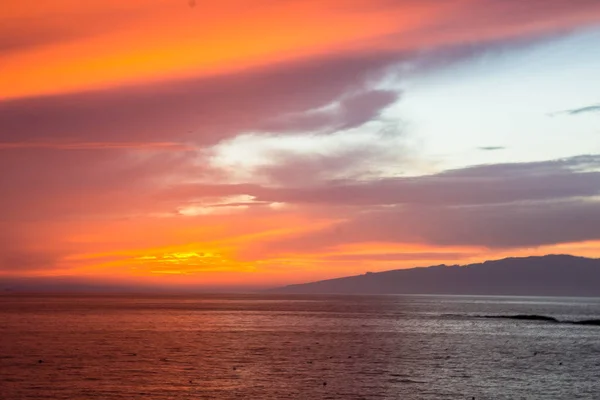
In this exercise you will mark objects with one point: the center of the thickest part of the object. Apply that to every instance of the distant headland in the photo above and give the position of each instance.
(550, 275)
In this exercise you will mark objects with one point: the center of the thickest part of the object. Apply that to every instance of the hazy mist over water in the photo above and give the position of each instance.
(296, 347)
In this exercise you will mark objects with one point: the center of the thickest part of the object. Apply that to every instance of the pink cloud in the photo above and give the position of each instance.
(131, 152)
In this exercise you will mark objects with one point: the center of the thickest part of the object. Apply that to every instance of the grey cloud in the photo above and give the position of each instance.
(487, 184)
(353, 111)
(306, 170)
(492, 148)
(202, 111)
(364, 107)
(496, 206)
(494, 226)
(303, 179)
(588, 109)
(576, 111)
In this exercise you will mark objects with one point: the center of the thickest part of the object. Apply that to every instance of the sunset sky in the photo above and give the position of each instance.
(255, 143)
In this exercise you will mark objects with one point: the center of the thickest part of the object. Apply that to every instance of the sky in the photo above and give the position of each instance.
(256, 143)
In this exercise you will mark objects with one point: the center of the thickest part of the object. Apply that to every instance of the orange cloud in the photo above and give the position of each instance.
(166, 39)
(107, 108)
(99, 44)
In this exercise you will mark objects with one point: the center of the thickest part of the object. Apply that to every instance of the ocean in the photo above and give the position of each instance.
(297, 347)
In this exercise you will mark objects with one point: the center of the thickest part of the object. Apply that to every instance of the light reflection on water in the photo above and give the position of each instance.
(295, 347)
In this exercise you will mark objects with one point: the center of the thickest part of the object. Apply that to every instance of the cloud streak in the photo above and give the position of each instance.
(496, 206)
(486, 184)
(581, 110)
(491, 148)
(97, 146)
(351, 112)
(202, 111)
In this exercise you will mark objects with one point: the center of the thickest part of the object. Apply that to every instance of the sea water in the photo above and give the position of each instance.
(296, 347)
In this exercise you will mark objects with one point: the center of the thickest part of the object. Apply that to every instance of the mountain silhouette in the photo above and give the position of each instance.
(551, 275)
